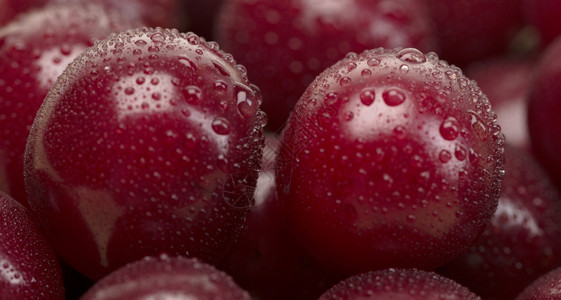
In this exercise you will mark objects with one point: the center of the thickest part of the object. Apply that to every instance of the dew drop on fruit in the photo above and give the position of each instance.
(404, 68)
(221, 126)
(188, 63)
(344, 81)
(411, 55)
(157, 38)
(220, 86)
(367, 96)
(373, 62)
(445, 156)
(460, 153)
(192, 94)
(449, 129)
(393, 97)
(129, 91)
(366, 73)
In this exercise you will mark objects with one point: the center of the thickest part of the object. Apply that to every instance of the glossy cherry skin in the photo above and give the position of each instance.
(410, 284)
(267, 260)
(523, 240)
(390, 159)
(34, 50)
(507, 83)
(149, 142)
(545, 287)
(285, 44)
(12, 8)
(543, 15)
(166, 278)
(29, 267)
(544, 109)
(472, 30)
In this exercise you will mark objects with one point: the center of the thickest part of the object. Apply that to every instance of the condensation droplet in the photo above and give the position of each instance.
(221, 126)
(445, 156)
(192, 94)
(220, 86)
(411, 55)
(393, 97)
(404, 68)
(366, 73)
(344, 81)
(449, 129)
(157, 37)
(129, 91)
(367, 96)
(373, 62)
(460, 153)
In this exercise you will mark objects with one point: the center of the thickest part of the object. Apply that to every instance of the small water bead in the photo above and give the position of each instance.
(156, 96)
(460, 153)
(404, 68)
(140, 80)
(345, 81)
(157, 37)
(140, 43)
(366, 73)
(367, 96)
(153, 49)
(445, 156)
(393, 97)
(129, 91)
(449, 129)
(192, 94)
(411, 55)
(331, 98)
(373, 62)
(221, 126)
(220, 86)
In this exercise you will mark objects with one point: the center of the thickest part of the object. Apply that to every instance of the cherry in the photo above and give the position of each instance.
(408, 284)
(149, 142)
(391, 158)
(545, 287)
(507, 82)
(471, 30)
(166, 278)
(544, 109)
(34, 50)
(285, 44)
(523, 240)
(267, 260)
(12, 8)
(29, 268)
(201, 15)
(543, 15)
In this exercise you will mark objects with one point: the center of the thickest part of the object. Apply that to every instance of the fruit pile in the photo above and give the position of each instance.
(265, 149)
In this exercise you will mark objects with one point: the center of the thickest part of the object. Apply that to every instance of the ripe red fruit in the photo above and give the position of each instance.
(471, 30)
(166, 278)
(285, 44)
(523, 240)
(544, 109)
(34, 50)
(390, 159)
(545, 287)
(543, 15)
(29, 267)
(507, 82)
(410, 284)
(11, 8)
(149, 142)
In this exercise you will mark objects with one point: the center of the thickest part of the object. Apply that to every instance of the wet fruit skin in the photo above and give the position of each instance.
(523, 240)
(29, 267)
(285, 44)
(34, 50)
(545, 287)
(149, 142)
(390, 159)
(410, 284)
(166, 277)
(544, 109)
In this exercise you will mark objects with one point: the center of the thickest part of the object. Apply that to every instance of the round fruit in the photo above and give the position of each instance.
(545, 287)
(149, 142)
(410, 284)
(29, 267)
(34, 50)
(166, 278)
(391, 158)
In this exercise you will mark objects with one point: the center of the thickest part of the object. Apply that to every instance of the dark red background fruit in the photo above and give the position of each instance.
(545, 287)
(390, 159)
(543, 15)
(150, 142)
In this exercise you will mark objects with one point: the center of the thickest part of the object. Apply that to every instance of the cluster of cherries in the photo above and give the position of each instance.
(319, 149)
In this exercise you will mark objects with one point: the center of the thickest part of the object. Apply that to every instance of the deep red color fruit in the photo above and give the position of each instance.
(507, 83)
(545, 287)
(166, 278)
(523, 240)
(34, 50)
(390, 159)
(201, 16)
(267, 260)
(544, 109)
(149, 142)
(471, 30)
(543, 15)
(410, 284)
(11, 8)
(285, 44)
(29, 268)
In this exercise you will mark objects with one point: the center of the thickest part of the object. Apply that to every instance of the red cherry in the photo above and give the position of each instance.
(11, 8)
(546, 286)
(544, 109)
(34, 50)
(523, 240)
(29, 268)
(149, 142)
(285, 44)
(543, 15)
(166, 278)
(394, 163)
(408, 284)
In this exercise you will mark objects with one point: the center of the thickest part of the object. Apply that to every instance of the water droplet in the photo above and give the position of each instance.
(393, 97)
(411, 218)
(188, 63)
(445, 156)
(460, 153)
(373, 62)
(351, 66)
(192, 94)
(331, 98)
(345, 81)
(136, 52)
(245, 106)
(65, 49)
(411, 55)
(348, 116)
(220, 86)
(153, 49)
(399, 132)
(156, 96)
(140, 80)
(449, 129)
(221, 126)
(155, 81)
(157, 37)
(129, 91)
(366, 73)
(404, 68)
(367, 96)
